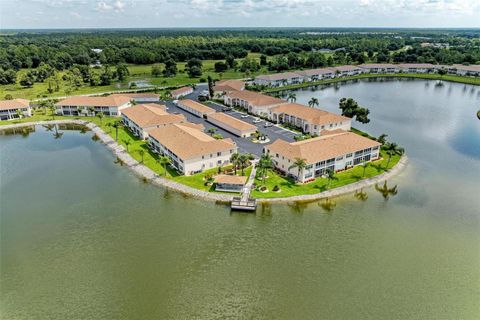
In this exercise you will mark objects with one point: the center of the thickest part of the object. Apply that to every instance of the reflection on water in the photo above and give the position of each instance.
(82, 238)
(23, 131)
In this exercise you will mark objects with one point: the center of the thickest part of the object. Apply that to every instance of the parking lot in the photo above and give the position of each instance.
(245, 145)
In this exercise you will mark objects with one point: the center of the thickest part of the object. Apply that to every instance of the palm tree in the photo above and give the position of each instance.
(211, 131)
(91, 110)
(313, 102)
(116, 125)
(141, 152)
(328, 205)
(300, 164)
(52, 111)
(127, 143)
(382, 138)
(392, 149)
(364, 165)
(292, 97)
(234, 161)
(100, 116)
(265, 164)
(386, 191)
(330, 173)
(164, 161)
(57, 135)
(242, 161)
(361, 195)
(19, 114)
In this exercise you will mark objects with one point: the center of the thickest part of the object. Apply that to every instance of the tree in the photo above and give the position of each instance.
(194, 68)
(127, 143)
(164, 161)
(313, 102)
(8, 96)
(300, 164)
(364, 165)
(263, 60)
(19, 114)
(100, 116)
(292, 97)
(230, 61)
(330, 173)
(234, 161)
(442, 72)
(348, 107)
(106, 76)
(52, 110)
(117, 125)
(122, 71)
(382, 138)
(211, 131)
(157, 70)
(243, 161)
(170, 68)
(361, 115)
(220, 66)
(265, 164)
(141, 152)
(210, 86)
(392, 149)
(27, 80)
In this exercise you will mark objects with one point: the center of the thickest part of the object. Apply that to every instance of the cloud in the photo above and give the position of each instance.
(105, 6)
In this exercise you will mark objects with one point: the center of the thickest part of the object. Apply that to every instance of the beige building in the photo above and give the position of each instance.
(181, 92)
(228, 183)
(190, 149)
(338, 151)
(418, 67)
(194, 107)
(9, 109)
(278, 79)
(309, 120)
(140, 96)
(347, 71)
(254, 102)
(89, 106)
(317, 74)
(224, 86)
(379, 68)
(142, 118)
(233, 125)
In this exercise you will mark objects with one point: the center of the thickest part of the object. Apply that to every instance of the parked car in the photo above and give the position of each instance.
(226, 109)
(268, 124)
(244, 116)
(202, 97)
(257, 120)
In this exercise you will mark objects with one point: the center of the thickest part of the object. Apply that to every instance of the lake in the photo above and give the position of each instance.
(83, 238)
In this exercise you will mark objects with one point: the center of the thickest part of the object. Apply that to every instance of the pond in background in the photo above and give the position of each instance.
(83, 238)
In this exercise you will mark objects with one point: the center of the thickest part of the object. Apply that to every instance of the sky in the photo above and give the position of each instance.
(33, 14)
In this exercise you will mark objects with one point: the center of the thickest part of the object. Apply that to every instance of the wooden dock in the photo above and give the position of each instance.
(244, 202)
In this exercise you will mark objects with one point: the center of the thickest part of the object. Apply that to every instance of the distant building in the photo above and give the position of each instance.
(189, 149)
(379, 68)
(278, 79)
(194, 107)
(417, 67)
(337, 151)
(181, 92)
(140, 96)
(224, 86)
(9, 109)
(89, 106)
(233, 125)
(142, 118)
(254, 102)
(317, 74)
(309, 120)
(347, 70)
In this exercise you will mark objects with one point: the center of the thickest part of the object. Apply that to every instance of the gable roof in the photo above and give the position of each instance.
(312, 115)
(138, 95)
(14, 104)
(255, 98)
(147, 115)
(196, 106)
(229, 179)
(278, 76)
(322, 148)
(187, 142)
(86, 101)
(314, 72)
(232, 121)
(229, 85)
(181, 90)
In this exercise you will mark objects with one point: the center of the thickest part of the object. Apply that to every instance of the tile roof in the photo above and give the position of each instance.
(322, 148)
(313, 72)
(196, 106)
(147, 115)
(187, 142)
(138, 95)
(255, 98)
(347, 68)
(377, 65)
(108, 101)
(278, 76)
(472, 67)
(229, 179)
(181, 90)
(312, 115)
(229, 85)
(14, 104)
(416, 65)
(231, 121)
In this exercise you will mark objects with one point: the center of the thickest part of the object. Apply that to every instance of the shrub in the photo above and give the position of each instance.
(276, 188)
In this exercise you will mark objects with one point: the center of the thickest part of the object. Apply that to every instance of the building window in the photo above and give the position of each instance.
(349, 155)
(219, 154)
(339, 158)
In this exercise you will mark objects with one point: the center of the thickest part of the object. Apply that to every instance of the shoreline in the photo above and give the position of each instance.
(425, 76)
(146, 173)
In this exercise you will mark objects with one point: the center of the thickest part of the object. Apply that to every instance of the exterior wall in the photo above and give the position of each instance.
(183, 94)
(237, 132)
(85, 110)
(11, 114)
(132, 126)
(192, 111)
(195, 165)
(306, 126)
(280, 82)
(314, 170)
(228, 187)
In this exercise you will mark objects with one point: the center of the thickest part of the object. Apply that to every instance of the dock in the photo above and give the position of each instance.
(244, 202)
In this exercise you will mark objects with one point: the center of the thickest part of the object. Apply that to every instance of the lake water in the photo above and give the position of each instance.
(83, 238)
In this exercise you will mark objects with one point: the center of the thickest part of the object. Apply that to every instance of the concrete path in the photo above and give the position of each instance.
(247, 189)
(145, 172)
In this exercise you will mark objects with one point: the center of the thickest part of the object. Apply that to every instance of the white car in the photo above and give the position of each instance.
(268, 124)
(257, 120)
(244, 116)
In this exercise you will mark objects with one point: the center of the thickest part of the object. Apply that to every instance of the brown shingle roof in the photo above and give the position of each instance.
(14, 104)
(229, 85)
(255, 98)
(231, 121)
(322, 148)
(225, 178)
(196, 106)
(187, 142)
(312, 115)
(147, 115)
(109, 101)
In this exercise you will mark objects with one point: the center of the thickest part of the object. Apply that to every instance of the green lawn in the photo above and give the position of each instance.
(289, 188)
(452, 78)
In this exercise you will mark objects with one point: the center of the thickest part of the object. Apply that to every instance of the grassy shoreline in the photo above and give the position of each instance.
(197, 181)
(450, 78)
